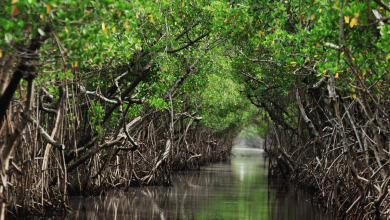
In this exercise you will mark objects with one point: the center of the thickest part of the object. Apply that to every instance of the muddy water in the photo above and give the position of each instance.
(238, 189)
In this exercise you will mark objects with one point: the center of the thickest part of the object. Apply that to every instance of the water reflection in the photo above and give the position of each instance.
(237, 189)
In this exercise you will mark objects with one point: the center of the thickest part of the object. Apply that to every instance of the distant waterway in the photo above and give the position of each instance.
(235, 189)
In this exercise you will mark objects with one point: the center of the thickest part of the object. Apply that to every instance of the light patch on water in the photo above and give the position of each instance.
(242, 172)
(235, 189)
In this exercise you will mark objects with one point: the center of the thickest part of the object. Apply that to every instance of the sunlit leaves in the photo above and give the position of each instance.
(353, 94)
(346, 19)
(354, 20)
(293, 63)
(47, 8)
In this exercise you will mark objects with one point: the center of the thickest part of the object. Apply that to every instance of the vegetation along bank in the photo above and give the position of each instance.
(98, 95)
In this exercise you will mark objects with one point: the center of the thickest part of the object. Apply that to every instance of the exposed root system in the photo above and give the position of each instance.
(140, 152)
(337, 152)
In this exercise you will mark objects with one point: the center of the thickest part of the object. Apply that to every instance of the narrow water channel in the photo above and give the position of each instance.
(236, 189)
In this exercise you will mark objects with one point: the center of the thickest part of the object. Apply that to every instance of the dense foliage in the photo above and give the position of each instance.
(185, 77)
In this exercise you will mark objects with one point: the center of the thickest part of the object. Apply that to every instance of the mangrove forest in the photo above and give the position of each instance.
(105, 95)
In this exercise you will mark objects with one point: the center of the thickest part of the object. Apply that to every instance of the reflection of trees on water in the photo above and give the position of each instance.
(292, 204)
(190, 192)
(279, 200)
(237, 191)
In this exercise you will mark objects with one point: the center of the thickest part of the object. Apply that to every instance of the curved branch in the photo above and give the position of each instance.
(45, 135)
(82, 159)
(305, 118)
(189, 44)
(385, 6)
(252, 78)
(82, 89)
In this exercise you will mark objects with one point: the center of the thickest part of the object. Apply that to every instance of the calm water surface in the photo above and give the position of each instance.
(237, 189)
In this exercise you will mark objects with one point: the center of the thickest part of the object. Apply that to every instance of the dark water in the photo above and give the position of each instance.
(237, 189)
